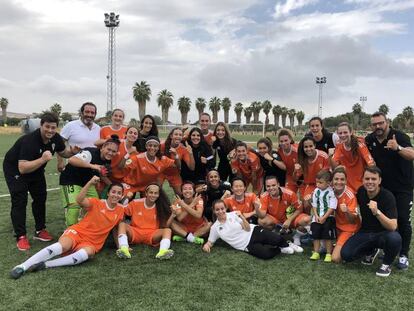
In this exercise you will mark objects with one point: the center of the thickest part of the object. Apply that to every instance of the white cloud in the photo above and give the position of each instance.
(291, 5)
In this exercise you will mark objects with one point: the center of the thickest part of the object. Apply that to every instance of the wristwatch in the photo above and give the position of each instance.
(399, 148)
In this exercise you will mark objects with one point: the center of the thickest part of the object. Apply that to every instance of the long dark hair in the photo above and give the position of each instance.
(302, 157)
(167, 144)
(162, 205)
(203, 144)
(227, 144)
(154, 128)
(267, 141)
(354, 139)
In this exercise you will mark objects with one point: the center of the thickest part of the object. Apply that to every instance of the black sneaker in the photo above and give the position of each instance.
(384, 270)
(369, 259)
(37, 267)
(17, 272)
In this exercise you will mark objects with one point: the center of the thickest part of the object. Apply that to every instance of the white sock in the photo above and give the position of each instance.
(123, 240)
(296, 237)
(190, 237)
(165, 244)
(70, 260)
(43, 255)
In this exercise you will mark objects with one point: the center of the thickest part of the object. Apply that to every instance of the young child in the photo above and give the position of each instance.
(324, 204)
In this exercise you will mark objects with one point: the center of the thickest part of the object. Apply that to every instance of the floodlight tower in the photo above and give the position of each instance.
(111, 22)
(320, 81)
(363, 100)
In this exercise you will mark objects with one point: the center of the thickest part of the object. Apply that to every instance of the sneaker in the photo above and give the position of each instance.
(43, 235)
(123, 252)
(315, 256)
(177, 238)
(403, 263)
(369, 259)
(287, 250)
(296, 248)
(17, 272)
(23, 243)
(198, 240)
(37, 267)
(384, 270)
(165, 254)
(328, 258)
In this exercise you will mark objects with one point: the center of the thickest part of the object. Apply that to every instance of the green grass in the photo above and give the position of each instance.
(192, 280)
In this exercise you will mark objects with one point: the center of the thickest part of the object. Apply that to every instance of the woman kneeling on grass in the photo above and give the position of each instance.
(150, 219)
(84, 239)
(189, 223)
(235, 230)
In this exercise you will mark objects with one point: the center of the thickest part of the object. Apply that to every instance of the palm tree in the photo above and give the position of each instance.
(300, 115)
(256, 108)
(56, 109)
(226, 104)
(248, 114)
(356, 110)
(277, 111)
(4, 102)
(267, 106)
(184, 105)
(141, 93)
(214, 106)
(284, 114)
(238, 109)
(408, 116)
(384, 109)
(165, 101)
(200, 104)
(292, 115)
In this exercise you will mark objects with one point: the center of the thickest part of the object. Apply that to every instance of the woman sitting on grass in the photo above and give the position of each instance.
(189, 223)
(150, 219)
(235, 230)
(84, 239)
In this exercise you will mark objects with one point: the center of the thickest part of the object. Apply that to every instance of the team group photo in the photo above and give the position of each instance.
(239, 195)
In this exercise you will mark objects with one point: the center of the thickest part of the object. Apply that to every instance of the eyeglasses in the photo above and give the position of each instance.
(378, 124)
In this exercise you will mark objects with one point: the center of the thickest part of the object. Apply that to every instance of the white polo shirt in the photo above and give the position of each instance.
(78, 134)
(231, 232)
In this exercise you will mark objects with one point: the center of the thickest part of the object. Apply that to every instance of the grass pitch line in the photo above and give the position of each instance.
(8, 194)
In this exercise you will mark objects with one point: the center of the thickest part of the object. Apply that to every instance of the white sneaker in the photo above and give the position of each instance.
(287, 250)
(296, 248)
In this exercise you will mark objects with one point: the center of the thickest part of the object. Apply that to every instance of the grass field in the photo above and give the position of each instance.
(192, 280)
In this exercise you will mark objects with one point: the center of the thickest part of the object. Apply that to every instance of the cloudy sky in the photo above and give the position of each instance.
(56, 51)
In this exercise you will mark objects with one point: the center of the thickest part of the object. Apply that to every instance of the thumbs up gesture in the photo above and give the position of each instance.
(392, 144)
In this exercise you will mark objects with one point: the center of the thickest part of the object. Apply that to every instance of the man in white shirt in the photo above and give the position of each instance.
(82, 132)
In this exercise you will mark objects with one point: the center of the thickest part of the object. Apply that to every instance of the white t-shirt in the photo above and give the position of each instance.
(231, 232)
(78, 134)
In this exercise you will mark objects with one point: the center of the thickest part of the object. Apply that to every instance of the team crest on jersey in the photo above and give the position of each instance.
(53, 147)
(140, 213)
(128, 162)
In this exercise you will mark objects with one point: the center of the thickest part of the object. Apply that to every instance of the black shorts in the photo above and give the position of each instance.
(325, 231)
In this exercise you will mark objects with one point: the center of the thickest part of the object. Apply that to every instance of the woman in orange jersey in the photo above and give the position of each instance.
(288, 152)
(310, 162)
(147, 128)
(150, 219)
(246, 165)
(126, 149)
(84, 239)
(171, 147)
(148, 167)
(352, 153)
(240, 200)
(346, 216)
(189, 224)
(115, 128)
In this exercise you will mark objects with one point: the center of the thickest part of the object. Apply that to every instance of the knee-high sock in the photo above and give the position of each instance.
(70, 260)
(165, 244)
(43, 255)
(123, 240)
